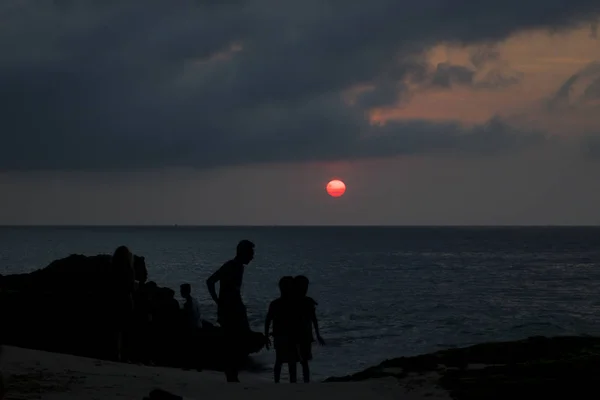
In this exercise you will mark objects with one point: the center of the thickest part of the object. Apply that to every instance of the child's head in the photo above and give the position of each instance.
(286, 286)
(301, 285)
(185, 290)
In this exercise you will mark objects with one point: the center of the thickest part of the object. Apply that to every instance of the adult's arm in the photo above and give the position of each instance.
(315, 322)
(212, 281)
(268, 320)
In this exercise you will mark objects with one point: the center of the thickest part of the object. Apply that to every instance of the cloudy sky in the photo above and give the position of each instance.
(240, 112)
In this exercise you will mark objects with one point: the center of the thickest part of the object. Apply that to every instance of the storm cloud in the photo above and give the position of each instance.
(119, 84)
(566, 96)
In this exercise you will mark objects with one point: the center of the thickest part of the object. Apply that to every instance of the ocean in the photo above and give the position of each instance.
(383, 292)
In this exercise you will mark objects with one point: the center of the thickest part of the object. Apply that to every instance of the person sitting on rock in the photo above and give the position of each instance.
(123, 283)
(140, 269)
(192, 322)
(191, 309)
(166, 320)
(283, 313)
(2, 388)
(142, 330)
(153, 293)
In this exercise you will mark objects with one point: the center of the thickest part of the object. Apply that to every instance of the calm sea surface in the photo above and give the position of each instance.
(382, 292)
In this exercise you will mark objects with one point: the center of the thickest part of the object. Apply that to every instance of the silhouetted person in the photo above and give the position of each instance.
(142, 331)
(2, 388)
(283, 313)
(307, 318)
(166, 321)
(191, 325)
(191, 309)
(122, 298)
(141, 272)
(153, 293)
(231, 310)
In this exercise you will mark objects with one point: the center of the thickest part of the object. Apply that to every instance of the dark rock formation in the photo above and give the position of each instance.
(74, 274)
(63, 308)
(535, 368)
(159, 394)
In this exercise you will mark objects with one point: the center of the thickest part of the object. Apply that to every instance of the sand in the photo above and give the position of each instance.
(33, 374)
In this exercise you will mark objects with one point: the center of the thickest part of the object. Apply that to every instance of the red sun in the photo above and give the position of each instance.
(336, 188)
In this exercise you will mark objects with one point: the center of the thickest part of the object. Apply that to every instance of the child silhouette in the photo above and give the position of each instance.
(307, 318)
(282, 312)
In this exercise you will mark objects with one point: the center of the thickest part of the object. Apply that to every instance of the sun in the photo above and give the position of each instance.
(336, 188)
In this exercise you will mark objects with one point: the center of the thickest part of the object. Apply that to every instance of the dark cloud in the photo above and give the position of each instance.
(488, 71)
(592, 91)
(500, 77)
(382, 95)
(116, 84)
(447, 75)
(482, 55)
(564, 97)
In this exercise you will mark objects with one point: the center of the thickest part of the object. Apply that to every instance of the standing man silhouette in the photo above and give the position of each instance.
(231, 309)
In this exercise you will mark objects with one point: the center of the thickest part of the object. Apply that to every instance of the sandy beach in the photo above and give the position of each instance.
(33, 374)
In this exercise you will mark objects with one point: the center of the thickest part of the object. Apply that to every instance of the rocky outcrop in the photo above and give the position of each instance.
(74, 274)
(536, 367)
(159, 394)
(63, 308)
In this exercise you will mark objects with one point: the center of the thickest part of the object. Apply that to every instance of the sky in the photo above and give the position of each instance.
(232, 112)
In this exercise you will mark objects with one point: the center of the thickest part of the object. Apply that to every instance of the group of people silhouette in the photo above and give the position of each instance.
(147, 321)
(292, 315)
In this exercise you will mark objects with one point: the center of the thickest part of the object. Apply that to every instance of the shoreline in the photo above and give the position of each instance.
(34, 374)
(537, 366)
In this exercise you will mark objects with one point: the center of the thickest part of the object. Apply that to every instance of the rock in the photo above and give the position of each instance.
(159, 394)
(63, 308)
(537, 366)
(73, 274)
(2, 387)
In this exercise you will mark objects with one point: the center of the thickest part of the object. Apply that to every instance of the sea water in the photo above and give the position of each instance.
(383, 292)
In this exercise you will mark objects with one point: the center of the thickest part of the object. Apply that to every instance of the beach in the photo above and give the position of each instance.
(536, 367)
(33, 374)
(382, 291)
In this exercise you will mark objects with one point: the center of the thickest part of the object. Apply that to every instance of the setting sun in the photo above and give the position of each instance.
(336, 188)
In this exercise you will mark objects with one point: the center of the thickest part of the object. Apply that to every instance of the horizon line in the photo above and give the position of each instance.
(299, 226)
